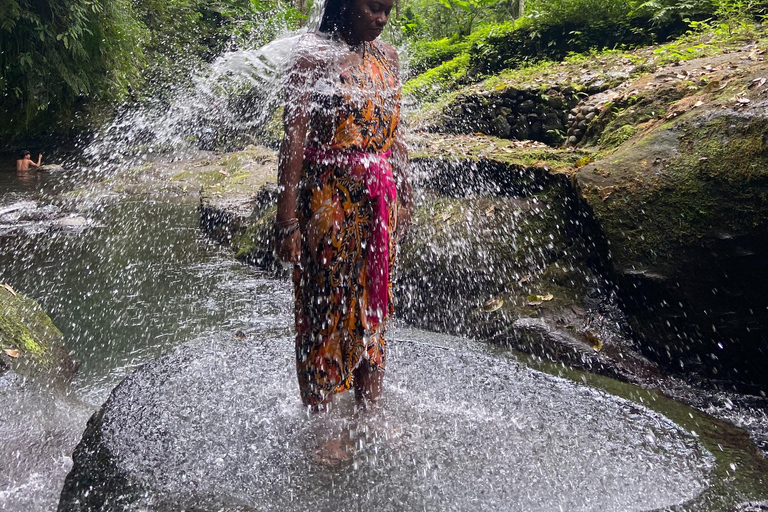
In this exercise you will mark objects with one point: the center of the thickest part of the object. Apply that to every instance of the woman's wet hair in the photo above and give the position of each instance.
(23, 154)
(333, 17)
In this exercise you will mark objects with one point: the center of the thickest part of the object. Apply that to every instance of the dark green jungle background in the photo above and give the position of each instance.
(66, 64)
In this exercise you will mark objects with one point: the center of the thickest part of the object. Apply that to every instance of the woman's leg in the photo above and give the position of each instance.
(316, 404)
(369, 380)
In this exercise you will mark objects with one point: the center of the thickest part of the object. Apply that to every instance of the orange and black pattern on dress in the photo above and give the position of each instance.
(333, 331)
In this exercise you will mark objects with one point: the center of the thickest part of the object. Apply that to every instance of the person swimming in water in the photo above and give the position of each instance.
(25, 161)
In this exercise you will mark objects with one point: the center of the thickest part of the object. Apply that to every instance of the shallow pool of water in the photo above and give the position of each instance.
(140, 280)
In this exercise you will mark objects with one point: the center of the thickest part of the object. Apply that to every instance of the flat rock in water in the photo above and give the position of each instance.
(50, 168)
(218, 424)
(71, 222)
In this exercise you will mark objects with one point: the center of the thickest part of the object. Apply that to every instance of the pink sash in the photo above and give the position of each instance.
(381, 188)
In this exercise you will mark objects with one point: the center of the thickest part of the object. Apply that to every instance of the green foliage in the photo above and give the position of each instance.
(466, 12)
(59, 56)
(426, 54)
(554, 29)
(53, 53)
(578, 12)
(664, 11)
(431, 84)
(452, 19)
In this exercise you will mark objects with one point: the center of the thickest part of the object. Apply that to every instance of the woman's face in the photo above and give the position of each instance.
(367, 18)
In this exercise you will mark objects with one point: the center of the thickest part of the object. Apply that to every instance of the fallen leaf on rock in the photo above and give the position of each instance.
(757, 82)
(492, 305)
(225, 173)
(538, 299)
(524, 279)
(7, 287)
(593, 340)
(743, 100)
(605, 193)
(12, 352)
(698, 104)
(490, 212)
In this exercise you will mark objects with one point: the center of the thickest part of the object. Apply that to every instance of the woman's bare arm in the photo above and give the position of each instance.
(295, 121)
(39, 159)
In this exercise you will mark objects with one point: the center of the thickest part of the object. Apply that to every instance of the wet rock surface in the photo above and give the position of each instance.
(677, 193)
(169, 438)
(35, 217)
(39, 425)
(682, 205)
(505, 252)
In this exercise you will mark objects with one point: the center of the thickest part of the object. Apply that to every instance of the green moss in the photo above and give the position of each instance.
(204, 176)
(254, 242)
(24, 326)
(681, 185)
(503, 151)
(29, 345)
(436, 81)
(614, 139)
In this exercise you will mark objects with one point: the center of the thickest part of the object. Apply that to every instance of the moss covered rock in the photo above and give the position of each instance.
(504, 251)
(684, 207)
(31, 344)
(238, 209)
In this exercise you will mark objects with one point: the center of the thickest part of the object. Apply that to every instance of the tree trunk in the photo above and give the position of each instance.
(521, 8)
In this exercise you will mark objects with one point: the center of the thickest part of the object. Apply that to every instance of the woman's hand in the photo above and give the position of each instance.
(404, 215)
(288, 247)
(287, 239)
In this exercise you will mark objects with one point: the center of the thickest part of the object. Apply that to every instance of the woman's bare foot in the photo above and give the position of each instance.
(334, 453)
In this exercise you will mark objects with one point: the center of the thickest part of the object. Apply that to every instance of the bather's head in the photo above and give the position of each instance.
(23, 155)
(356, 20)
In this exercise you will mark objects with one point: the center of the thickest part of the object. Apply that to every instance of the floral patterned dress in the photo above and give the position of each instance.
(359, 112)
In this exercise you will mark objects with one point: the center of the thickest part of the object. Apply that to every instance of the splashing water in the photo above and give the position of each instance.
(228, 104)
(124, 295)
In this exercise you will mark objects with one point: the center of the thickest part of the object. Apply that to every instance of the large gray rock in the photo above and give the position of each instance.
(218, 425)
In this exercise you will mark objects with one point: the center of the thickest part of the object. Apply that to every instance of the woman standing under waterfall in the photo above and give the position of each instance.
(342, 164)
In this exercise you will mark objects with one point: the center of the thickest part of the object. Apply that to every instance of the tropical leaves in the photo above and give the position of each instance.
(663, 11)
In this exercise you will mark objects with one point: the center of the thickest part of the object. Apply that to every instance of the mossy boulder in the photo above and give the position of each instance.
(505, 251)
(30, 342)
(239, 208)
(684, 207)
